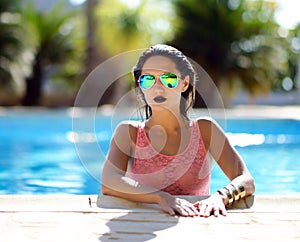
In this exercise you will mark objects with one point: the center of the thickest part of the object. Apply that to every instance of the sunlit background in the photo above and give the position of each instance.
(250, 49)
(287, 13)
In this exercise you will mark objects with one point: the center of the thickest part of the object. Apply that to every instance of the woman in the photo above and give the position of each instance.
(167, 154)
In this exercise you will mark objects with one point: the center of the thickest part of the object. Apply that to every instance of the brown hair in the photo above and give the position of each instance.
(182, 64)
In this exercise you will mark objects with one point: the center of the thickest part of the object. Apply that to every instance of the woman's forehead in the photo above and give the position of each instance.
(159, 63)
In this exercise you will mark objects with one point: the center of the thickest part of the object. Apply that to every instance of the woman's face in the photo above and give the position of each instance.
(160, 96)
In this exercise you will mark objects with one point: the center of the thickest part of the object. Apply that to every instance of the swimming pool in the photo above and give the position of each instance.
(38, 153)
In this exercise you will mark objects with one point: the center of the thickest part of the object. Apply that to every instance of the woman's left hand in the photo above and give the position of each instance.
(213, 205)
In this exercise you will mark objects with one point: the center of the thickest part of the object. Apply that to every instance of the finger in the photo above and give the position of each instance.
(181, 211)
(168, 210)
(216, 212)
(223, 210)
(208, 210)
(189, 208)
(191, 211)
(194, 210)
(197, 205)
(203, 210)
(171, 212)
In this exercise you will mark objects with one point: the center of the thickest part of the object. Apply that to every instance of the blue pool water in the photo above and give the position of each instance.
(41, 153)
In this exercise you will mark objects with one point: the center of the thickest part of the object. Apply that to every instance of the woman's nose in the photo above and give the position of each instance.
(158, 86)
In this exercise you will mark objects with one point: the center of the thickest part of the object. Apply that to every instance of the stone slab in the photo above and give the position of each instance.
(71, 218)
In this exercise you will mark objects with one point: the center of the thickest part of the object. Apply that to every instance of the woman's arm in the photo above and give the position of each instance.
(229, 161)
(114, 179)
(116, 183)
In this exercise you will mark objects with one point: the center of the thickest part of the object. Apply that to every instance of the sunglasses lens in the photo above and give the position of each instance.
(170, 80)
(146, 81)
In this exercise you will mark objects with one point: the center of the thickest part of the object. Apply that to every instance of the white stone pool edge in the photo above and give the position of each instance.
(72, 218)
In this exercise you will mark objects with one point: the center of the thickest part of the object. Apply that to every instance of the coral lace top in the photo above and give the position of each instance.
(187, 173)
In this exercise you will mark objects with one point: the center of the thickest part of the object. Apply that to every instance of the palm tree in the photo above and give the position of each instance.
(50, 36)
(236, 42)
(11, 46)
(93, 55)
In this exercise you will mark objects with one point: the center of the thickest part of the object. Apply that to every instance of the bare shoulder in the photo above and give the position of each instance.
(126, 130)
(209, 128)
(207, 123)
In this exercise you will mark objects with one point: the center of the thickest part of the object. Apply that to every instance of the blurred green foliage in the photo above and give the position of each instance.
(237, 42)
(36, 46)
(130, 25)
(11, 45)
(51, 39)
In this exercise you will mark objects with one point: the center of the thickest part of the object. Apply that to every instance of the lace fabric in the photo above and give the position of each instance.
(187, 173)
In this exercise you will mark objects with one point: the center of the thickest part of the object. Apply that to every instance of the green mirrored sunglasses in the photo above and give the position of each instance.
(169, 80)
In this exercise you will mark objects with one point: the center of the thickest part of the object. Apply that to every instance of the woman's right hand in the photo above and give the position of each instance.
(173, 205)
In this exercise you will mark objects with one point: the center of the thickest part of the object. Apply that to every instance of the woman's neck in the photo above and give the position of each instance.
(170, 121)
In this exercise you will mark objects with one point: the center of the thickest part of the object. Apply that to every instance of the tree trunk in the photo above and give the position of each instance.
(93, 55)
(33, 86)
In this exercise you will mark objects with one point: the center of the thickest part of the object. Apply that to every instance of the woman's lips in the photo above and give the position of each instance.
(159, 99)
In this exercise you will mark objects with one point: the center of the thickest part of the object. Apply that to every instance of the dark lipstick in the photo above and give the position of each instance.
(159, 99)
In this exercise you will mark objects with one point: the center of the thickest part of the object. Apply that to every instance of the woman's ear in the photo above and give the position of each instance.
(185, 83)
